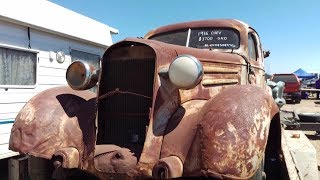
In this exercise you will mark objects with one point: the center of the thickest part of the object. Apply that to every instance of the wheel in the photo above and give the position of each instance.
(39, 168)
(297, 101)
(309, 117)
(260, 174)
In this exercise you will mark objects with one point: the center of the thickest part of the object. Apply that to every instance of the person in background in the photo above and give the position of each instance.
(318, 87)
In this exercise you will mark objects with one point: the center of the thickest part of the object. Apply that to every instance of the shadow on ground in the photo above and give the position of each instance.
(313, 137)
(4, 169)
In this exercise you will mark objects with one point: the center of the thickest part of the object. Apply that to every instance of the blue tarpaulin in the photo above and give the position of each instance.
(303, 74)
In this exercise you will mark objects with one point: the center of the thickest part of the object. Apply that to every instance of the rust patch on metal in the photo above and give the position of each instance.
(214, 69)
(181, 128)
(165, 105)
(114, 159)
(168, 168)
(70, 157)
(211, 82)
(54, 119)
(233, 133)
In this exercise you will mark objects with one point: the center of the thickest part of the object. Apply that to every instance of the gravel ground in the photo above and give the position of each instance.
(308, 106)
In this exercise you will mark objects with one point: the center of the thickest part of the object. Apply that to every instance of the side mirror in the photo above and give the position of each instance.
(266, 54)
(277, 92)
(81, 75)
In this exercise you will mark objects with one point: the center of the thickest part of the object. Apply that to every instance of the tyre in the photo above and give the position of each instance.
(309, 117)
(39, 168)
(297, 100)
(260, 174)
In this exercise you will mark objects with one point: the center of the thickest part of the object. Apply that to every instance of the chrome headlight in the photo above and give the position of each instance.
(185, 72)
(81, 75)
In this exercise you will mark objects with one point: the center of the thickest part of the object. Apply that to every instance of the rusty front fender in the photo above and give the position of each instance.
(53, 120)
(233, 133)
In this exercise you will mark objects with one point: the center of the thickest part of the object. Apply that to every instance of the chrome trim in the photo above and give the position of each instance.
(88, 73)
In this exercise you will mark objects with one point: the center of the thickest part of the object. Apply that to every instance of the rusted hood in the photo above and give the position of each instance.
(54, 119)
(166, 52)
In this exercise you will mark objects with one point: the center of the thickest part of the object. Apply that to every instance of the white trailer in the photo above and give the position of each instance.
(38, 41)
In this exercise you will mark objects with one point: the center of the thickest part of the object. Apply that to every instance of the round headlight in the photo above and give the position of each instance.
(81, 75)
(60, 56)
(185, 72)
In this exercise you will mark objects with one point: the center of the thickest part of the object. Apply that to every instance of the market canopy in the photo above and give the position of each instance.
(303, 74)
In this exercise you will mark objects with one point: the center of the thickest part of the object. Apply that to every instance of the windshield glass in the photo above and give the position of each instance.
(203, 38)
(177, 37)
(285, 78)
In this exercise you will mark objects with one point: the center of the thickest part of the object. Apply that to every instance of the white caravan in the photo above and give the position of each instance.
(38, 41)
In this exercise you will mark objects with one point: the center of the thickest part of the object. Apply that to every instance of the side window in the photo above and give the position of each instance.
(92, 59)
(17, 67)
(252, 47)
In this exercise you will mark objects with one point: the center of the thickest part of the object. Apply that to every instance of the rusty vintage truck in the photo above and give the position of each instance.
(187, 100)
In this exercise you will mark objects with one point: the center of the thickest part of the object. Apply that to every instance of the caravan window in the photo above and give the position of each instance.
(93, 59)
(17, 67)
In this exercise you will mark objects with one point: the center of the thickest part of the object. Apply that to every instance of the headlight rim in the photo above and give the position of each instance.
(199, 69)
(87, 78)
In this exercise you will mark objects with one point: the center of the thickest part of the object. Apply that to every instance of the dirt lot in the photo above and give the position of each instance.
(308, 106)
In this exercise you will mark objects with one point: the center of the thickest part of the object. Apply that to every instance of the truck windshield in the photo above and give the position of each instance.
(203, 38)
(175, 37)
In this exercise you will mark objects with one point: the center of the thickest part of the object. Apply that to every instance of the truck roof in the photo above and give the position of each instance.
(228, 23)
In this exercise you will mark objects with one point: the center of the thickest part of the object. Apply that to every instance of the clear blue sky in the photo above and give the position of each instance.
(290, 29)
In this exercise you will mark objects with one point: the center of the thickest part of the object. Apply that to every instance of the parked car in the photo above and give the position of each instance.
(187, 100)
(292, 90)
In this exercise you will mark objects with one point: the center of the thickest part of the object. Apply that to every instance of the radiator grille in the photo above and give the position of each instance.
(123, 116)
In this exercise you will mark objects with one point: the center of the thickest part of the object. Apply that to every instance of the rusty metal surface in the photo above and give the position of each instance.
(114, 159)
(54, 119)
(182, 128)
(70, 157)
(168, 168)
(161, 49)
(233, 134)
(219, 67)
